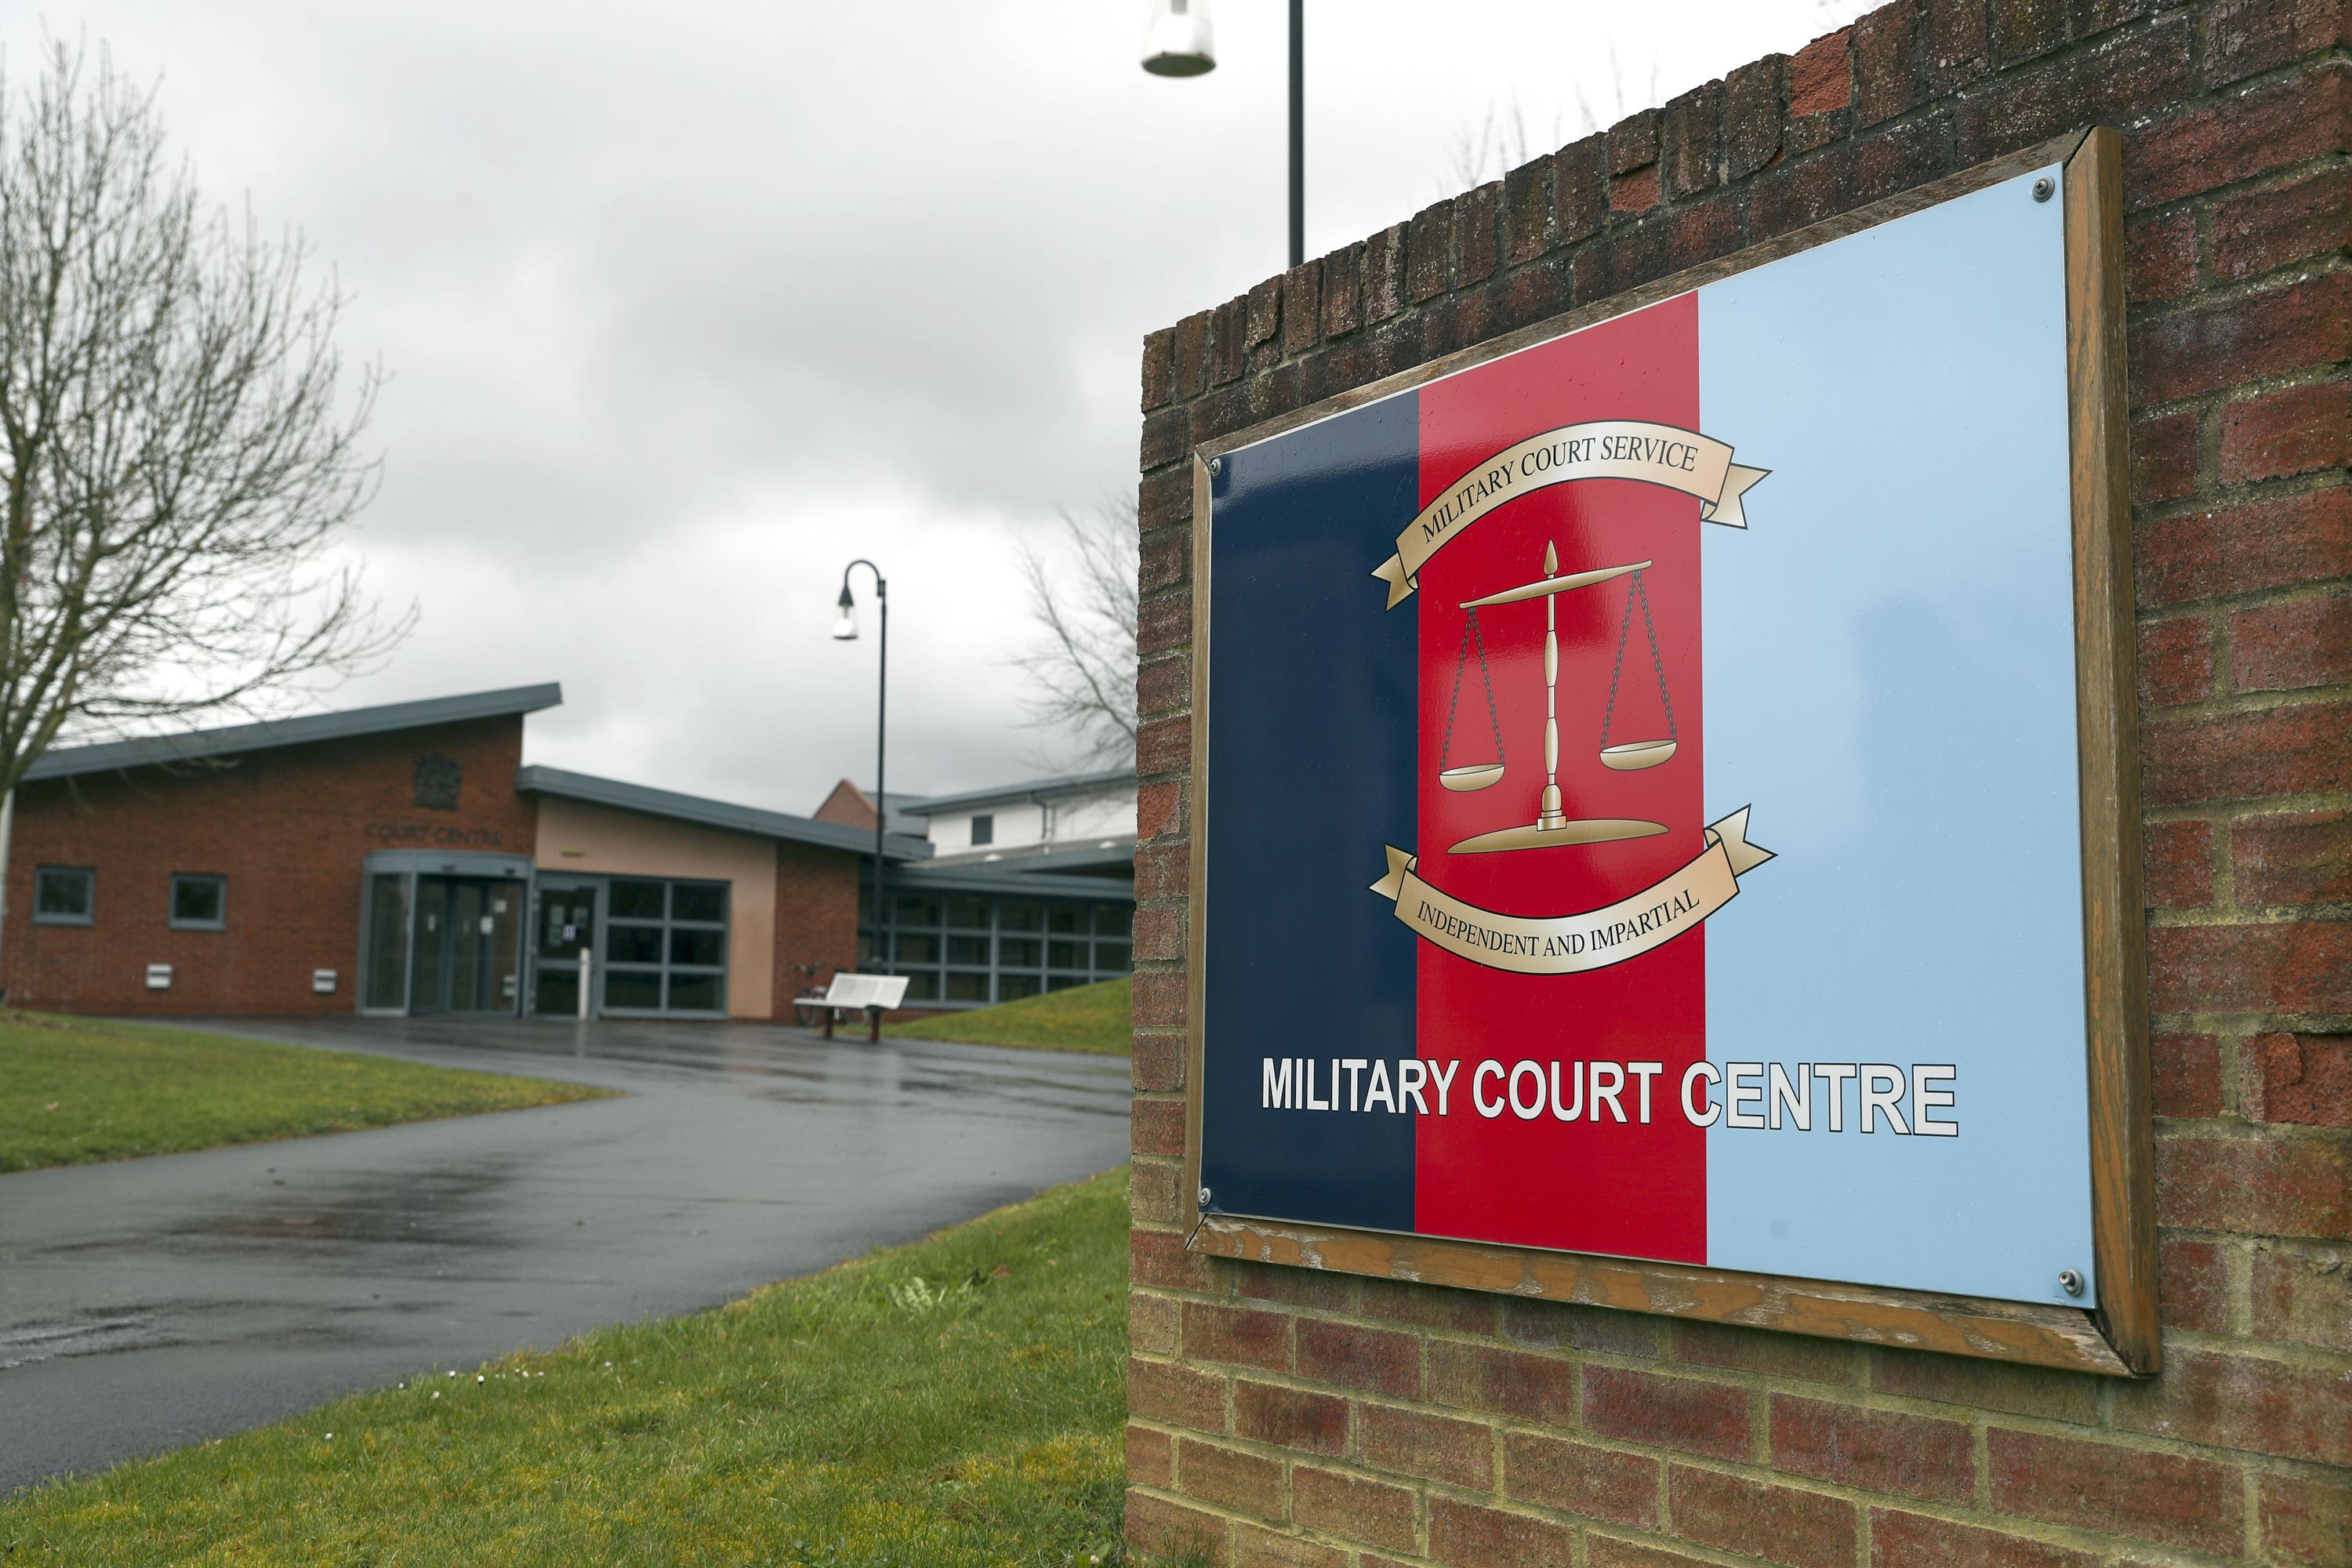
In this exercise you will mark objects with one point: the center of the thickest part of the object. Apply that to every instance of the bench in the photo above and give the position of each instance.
(876, 994)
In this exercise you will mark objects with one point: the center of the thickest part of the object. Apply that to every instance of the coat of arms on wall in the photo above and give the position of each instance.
(437, 780)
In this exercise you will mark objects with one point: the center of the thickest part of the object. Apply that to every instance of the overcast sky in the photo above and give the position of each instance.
(687, 305)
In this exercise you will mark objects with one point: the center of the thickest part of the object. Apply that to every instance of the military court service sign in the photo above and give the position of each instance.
(1667, 830)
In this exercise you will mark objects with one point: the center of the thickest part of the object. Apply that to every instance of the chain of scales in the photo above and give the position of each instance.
(1553, 829)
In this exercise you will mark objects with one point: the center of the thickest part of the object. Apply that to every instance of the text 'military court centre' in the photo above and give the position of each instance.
(402, 860)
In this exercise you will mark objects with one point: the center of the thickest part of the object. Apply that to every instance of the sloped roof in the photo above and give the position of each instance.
(113, 756)
(1035, 789)
(719, 813)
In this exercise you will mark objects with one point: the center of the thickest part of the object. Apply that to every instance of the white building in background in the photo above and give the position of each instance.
(1083, 821)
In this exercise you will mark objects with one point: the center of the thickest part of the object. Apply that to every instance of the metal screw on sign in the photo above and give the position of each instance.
(1216, 465)
(2070, 1281)
(1204, 1197)
(2043, 189)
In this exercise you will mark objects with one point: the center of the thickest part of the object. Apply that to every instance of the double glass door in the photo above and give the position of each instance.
(467, 945)
(567, 926)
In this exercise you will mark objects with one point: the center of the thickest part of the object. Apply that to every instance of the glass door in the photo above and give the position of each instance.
(566, 927)
(467, 945)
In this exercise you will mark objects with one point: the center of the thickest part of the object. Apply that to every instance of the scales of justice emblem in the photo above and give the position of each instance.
(1575, 941)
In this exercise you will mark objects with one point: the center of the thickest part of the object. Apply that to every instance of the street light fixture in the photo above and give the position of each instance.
(1178, 43)
(846, 630)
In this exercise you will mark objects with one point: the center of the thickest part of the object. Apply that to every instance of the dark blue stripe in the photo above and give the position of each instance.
(1311, 752)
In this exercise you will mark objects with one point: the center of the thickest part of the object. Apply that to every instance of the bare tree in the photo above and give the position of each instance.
(1082, 665)
(178, 452)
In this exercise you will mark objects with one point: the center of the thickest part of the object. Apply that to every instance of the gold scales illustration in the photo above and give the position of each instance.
(1552, 828)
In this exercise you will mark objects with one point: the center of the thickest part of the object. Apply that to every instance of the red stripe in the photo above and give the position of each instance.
(1584, 1185)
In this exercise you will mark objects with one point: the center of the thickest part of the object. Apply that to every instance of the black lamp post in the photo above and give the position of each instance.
(846, 630)
(1179, 43)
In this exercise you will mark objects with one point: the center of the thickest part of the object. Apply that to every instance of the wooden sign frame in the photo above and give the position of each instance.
(2120, 1336)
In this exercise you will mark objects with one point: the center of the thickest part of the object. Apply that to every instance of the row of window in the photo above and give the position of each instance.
(68, 896)
(969, 949)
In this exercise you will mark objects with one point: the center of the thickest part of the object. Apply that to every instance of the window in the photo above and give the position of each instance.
(983, 831)
(665, 947)
(963, 949)
(199, 901)
(64, 895)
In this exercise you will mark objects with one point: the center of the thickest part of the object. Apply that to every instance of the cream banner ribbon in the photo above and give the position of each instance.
(1600, 450)
(1570, 944)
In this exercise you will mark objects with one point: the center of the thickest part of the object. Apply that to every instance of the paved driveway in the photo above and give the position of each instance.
(151, 1303)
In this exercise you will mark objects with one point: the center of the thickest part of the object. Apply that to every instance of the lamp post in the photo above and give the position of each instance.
(1179, 43)
(846, 630)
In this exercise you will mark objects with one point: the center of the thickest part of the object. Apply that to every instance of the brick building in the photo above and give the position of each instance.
(1300, 1416)
(403, 859)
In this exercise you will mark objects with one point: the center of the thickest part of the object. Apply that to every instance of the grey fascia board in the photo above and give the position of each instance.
(973, 880)
(1032, 856)
(719, 813)
(115, 756)
(1036, 789)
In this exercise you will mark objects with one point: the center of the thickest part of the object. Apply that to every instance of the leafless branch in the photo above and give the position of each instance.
(1081, 666)
(179, 453)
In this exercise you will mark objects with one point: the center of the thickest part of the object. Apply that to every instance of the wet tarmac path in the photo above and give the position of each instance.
(147, 1304)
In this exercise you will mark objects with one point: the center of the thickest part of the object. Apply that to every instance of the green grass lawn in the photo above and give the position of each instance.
(958, 1401)
(1098, 1018)
(74, 1090)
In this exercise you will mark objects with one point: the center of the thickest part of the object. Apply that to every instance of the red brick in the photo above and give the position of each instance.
(1176, 1395)
(2302, 858)
(2095, 16)
(1228, 347)
(1429, 252)
(2131, 1491)
(2303, 1296)
(1290, 1417)
(1875, 1450)
(1690, 148)
(1154, 1193)
(1241, 1335)
(1191, 355)
(2203, 348)
(1163, 499)
(2022, 29)
(2303, 749)
(1159, 934)
(1153, 1322)
(2193, 1285)
(1163, 622)
(2187, 1071)
(1302, 315)
(2203, 149)
(2284, 646)
(1885, 71)
(1158, 1062)
(2300, 430)
(1986, 1385)
(1254, 1546)
(2262, 230)
(1912, 1541)
(1311, 1288)
(2288, 967)
(1158, 1258)
(1428, 1306)
(1957, 44)
(1760, 1350)
(1265, 311)
(2119, 80)
(1608, 1551)
(1550, 1325)
(2303, 1078)
(1160, 1000)
(1343, 290)
(2258, 545)
(2163, 457)
(1151, 1457)
(1780, 1524)
(2161, 257)
(1820, 75)
(2179, 861)
(1531, 1387)
(1634, 192)
(1164, 685)
(1384, 273)
(2176, 660)
(1466, 1535)
(1242, 1483)
(1579, 189)
(2269, 1187)
(1373, 1512)
(1527, 212)
(1161, 1528)
(2305, 1522)
(1475, 212)
(1751, 116)
(1674, 1413)
(1706, 230)
(1164, 557)
(1579, 1479)
(2246, 37)
(1158, 808)
(1164, 870)
(2243, 1401)
(1437, 1447)
(1374, 1360)
(1157, 1127)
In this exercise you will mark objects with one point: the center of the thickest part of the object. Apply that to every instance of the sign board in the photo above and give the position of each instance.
(1664, 798)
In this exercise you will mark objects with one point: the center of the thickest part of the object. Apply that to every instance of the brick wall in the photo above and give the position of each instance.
(289, 828)
(1292, 1417)
(816, 918)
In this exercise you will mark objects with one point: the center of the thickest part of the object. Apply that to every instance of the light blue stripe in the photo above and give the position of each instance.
(1889, 665)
